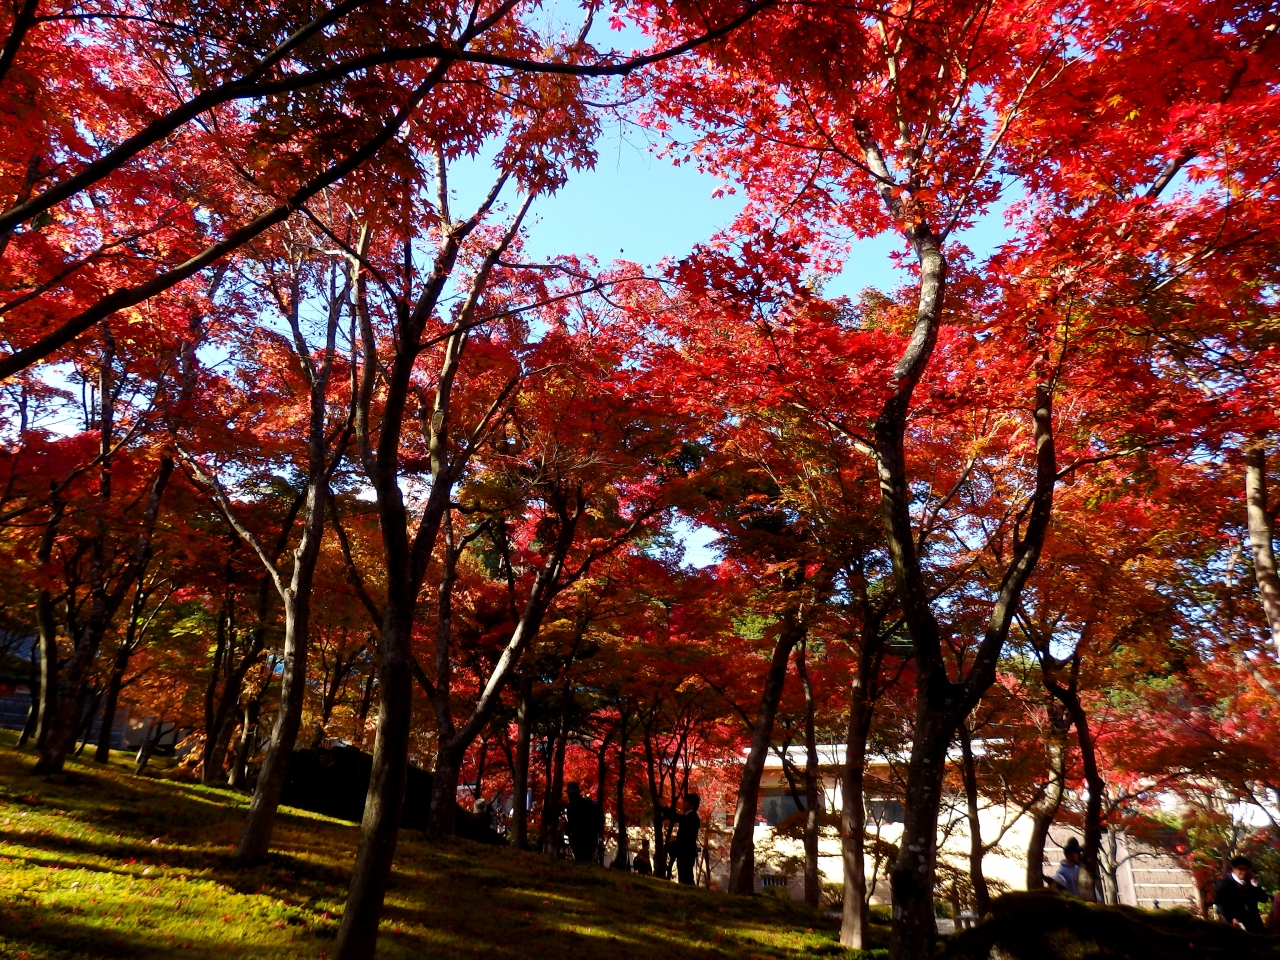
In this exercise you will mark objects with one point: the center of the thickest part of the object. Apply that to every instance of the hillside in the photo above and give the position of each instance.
(98, 863)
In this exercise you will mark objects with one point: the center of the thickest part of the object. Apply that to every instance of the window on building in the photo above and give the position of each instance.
(776, 804)
(772, 880)
(884, 811)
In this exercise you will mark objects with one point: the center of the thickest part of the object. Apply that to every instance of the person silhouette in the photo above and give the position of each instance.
(584, 823)
(642, 864)
(684, 849)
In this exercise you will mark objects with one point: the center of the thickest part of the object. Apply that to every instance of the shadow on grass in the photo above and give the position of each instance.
(102, 864)
(1050, 926)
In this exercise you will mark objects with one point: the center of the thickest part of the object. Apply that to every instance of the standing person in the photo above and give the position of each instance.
(684, 850)
(1068, 875)
(1237, 896)
(641, 864)
(584, 822)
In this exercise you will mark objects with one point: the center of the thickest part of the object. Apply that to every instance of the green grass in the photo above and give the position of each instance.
(98, 863)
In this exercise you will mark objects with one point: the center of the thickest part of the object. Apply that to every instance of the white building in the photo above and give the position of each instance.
(1144, 876)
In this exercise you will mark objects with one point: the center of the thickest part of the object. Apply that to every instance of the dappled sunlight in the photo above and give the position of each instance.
(109, 865)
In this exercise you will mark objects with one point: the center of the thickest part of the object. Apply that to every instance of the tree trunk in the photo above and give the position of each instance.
(442, 818)
(742, 858)
(969, 773)
(380, 826)
(255, 840)
(238, 776)
(520, 775)
(812, 878)
(148, 747)
(48, 639)
(623, 855)
(1090, 877)
(61, 728)
(552, 835)
(1044, 812)
(912, 877)
(1261, 537)
(655, 797)
(90, 714)
(853, 819)
(111, 704)
(33, 685)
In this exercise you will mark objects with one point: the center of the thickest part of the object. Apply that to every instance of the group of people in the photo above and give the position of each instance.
(1236, 895)
(584, 824)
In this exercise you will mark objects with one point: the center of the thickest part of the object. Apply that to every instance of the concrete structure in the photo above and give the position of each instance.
(1144, 876)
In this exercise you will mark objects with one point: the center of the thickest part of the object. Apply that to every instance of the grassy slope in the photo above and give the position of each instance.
(97, 863)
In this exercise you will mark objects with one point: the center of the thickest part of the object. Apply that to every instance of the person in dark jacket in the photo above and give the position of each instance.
(1238, 894)
(584, 823)
(684, 849)
(642, 864)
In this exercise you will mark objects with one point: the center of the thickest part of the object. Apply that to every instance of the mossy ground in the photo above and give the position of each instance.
(1049, 926)
(99, 863)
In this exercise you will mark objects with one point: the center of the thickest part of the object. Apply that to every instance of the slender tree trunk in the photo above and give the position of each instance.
(366, 703)
(969, 773)
(90, 714)
(623, 855)
(48, 639)
(238, 776)
(33, 685)
(742, 858)
(149, 743)
(655, 796)
(1090, 877)
(853, 817)
(520, 775)
(552, 835)
(111, 703)
(62, 726)
(219, 721)
(255, 840)
(812, 878)
(213, 721)
(1044, 812)
(1261, 537)
(863, 692)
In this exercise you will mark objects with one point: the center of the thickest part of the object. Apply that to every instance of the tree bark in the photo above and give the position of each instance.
(853, 817)
(33, 685)
(863, 692)
(238, 775)
(969, 773)
(552, 835)
(623, 854)
(1261, 537)
(520, 775)
(742, 858)
(111, 704)
(1044, 812)
(655, 798)
(47, 633)
(255, 840)
(812, 878)
(1090, 877)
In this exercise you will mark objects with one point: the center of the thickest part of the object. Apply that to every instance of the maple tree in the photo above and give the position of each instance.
(260, 346)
